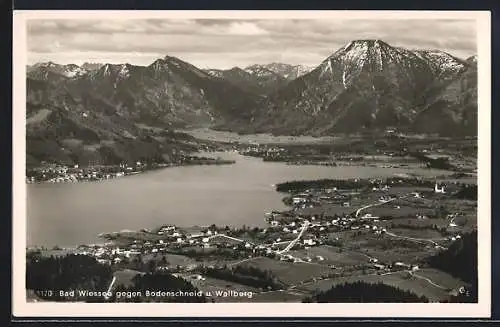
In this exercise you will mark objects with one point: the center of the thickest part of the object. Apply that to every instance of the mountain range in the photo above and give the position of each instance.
(261, 79)
(368, 85)
(365, 85)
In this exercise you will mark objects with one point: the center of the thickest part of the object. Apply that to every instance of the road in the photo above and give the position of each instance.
(292, 243)
(428, 280)
(231, 238)
(418, 240)
(110, 287)
(376, 204)
(241, 261)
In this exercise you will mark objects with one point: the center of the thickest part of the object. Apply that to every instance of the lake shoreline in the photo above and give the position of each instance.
(185, 195)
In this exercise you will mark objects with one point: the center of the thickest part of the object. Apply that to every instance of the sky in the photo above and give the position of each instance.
(226, 43)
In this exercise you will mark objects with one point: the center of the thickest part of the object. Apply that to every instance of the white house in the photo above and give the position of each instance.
(205, 240)
(297, 200)
(439, 189)
(309, 242)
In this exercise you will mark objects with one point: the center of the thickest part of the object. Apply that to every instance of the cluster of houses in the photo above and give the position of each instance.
(65, 174)
(318, 230)
(269, 152)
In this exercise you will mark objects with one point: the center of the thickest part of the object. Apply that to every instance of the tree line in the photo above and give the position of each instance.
(300, 186)
(48, 276)
(159, 282)
(363, 292)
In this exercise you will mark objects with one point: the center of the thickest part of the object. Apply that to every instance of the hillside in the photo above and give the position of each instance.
(370, 85)
(121, 112)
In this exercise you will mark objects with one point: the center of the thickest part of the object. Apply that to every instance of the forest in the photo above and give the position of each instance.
(362, 292)
(48, 276)
(467, 192)
(460, 260)
(159, 282)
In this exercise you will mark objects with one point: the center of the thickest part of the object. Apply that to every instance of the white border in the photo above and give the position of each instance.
(21, 308)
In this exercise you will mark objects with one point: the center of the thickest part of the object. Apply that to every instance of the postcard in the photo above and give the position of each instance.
(251, 164)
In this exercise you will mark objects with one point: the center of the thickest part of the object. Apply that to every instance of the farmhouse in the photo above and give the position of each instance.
(439, 189)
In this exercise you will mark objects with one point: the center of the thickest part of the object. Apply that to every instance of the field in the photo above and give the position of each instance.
(221, 136)
(391, 210)
(332, 256)
(278, 296)
(172, 259)
(39, 116)
(212, 285)
(72, 143)
(327, 210)
(419, 286)
(441, 278)
(125, 277)
(426, 234)
(288, 272)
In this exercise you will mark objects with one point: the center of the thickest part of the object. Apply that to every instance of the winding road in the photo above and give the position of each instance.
(428, 280)
(418, 240)
(376, 204)
(293, 242)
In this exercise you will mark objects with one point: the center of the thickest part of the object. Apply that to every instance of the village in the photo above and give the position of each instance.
(94, 171)
(54, 173)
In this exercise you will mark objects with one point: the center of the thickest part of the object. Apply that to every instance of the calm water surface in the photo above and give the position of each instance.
(70, 214)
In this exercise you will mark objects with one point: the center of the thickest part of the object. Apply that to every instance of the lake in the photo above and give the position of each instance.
(235, 195)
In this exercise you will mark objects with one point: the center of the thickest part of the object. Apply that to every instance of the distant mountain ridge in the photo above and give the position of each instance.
(289, 72)
(261, 79)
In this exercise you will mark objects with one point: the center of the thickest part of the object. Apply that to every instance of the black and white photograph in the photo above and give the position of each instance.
(218, 159)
